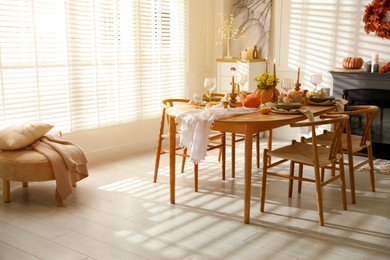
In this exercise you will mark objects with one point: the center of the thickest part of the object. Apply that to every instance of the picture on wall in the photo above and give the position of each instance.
(252, 18)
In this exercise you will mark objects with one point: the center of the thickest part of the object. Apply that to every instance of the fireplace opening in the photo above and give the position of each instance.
(380, 129)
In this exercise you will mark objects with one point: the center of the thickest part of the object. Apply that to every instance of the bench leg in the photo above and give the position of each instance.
(6, 191)
(25, 184)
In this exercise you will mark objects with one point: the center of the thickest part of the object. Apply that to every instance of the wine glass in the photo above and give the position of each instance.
(209, 85)
(197, 98)
(242, 80)
(316, 79)
(287, 85)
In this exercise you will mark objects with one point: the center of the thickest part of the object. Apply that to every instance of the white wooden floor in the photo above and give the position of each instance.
(119, 213)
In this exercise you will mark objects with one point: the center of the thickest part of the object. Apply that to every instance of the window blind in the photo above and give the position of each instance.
(84, 64)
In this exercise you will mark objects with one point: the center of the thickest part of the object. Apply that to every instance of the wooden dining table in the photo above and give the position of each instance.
(247, 124)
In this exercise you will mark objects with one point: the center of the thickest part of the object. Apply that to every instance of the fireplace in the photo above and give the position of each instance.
(362, 88)
(380, 130)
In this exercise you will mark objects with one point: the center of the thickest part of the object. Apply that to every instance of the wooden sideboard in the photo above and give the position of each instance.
(251, 68)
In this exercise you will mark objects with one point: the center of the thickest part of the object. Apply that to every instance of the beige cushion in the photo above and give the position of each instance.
(21, 135)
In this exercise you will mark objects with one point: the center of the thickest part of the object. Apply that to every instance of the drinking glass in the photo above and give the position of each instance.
(209, 85)
(316, 79)
(242, 81)
(197, 98)
(287, 85)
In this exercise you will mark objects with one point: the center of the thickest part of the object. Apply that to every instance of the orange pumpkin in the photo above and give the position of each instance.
(256, 93)
(352, 63)
(251, 101)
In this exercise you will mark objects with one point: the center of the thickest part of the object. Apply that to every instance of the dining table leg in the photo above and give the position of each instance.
(172, 158)
(248, 177)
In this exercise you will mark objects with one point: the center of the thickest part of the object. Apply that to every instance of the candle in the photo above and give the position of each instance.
(274, 70)
(233, 84)
(266, 65)
(299, 72)
(244, 55)
(374, 60)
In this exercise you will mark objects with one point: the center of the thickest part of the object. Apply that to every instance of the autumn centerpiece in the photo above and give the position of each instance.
(265, 86)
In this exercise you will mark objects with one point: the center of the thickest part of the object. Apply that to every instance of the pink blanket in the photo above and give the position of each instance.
(68, 161)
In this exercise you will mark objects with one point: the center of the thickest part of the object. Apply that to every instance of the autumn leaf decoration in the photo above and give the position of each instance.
(377, 18)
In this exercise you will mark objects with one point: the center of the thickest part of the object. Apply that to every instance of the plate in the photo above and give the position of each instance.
(287, 106)
(320, 99)
(280, 111)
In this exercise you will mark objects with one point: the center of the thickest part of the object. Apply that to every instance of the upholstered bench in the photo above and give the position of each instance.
(19, 162)
(24, 166)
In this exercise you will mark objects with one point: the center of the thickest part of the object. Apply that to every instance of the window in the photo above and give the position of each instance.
(83, 64)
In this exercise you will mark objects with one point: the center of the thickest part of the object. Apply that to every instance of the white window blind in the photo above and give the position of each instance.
(84, 64)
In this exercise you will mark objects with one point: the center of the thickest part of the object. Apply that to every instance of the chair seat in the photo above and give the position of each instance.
(302, 152)
(326, 139)
(25, 166)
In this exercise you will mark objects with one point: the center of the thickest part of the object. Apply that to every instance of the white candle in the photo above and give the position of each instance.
(375, 57)
(374, 60)
(244, 55)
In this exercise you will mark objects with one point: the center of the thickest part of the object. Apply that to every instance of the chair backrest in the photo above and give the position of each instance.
(369, 113)
(167, 103)
(339, 122)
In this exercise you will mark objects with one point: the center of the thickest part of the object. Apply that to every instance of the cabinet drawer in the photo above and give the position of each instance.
(225, 68)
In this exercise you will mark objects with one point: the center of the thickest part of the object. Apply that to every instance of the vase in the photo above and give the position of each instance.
(228, 47)
(266, 95)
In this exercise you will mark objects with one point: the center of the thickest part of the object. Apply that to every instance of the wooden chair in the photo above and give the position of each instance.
(310, 154)
(354, 145)
(216, 141)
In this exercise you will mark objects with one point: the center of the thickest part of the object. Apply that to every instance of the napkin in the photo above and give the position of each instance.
(339, 103)
(195, 127)
(301, 110)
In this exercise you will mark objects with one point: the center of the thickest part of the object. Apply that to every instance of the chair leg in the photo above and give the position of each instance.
(351, 171)
(6, 191)
(257, 150)
(269, 144)
(291, 181)
(264, 180)
(223, 141)
(157, 162)
(300, 174)
(233, 155)
(319, 196)
(322, 174)
(196, 169)
(183, 160)
(371, 164)
(342, 182)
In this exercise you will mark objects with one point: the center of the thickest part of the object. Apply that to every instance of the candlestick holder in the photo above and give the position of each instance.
(274, 97)
(297, 87)
(232, 100)
(297, 91)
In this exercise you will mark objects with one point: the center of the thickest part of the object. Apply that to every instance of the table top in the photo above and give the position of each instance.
(256, 121)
